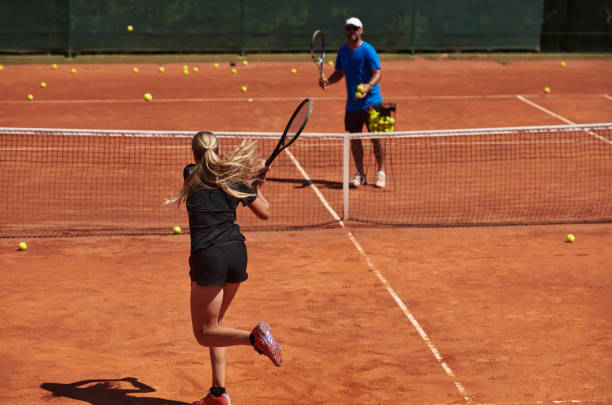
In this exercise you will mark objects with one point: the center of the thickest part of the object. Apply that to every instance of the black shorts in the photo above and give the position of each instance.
(219, 264)
(355, 120)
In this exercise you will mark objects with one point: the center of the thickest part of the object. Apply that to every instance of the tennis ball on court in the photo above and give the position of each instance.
(196, 69)
(30, 97)
(547, 90)
(360, 88)
(1, 68)
(130, 28)
(216, 65)
(562, 63)
(54, 66)
(43, 84)
(185, 67)
(245, 62)
(293, 71)
(570, 238)
(23, 246)
(234, 71)
(330, 63)
(162, 69)
(358, 95)
(135, 70)
(176, 230)
(148, 97)
(244, 89)
(185, 72)
(73, 71)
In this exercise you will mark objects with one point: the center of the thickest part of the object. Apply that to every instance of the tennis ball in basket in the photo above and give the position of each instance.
(54, 66)
(570, 238)
(547, 90)
(293, 71)
(234, 71)
(73, 71)
(148, 97)
(130, 28)
(358, 95)
(176, 230)
(43, 84)
(162, 69)
(30, 97)
(360, 88)
(244, 89)
(23, 246)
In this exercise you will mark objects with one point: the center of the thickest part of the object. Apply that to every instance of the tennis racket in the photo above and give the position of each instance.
(317, 51)
(294, 128)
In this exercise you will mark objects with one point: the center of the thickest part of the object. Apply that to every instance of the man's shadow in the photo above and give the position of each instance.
(107, 392)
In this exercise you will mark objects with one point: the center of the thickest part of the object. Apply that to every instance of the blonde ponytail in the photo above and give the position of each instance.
(213, 171)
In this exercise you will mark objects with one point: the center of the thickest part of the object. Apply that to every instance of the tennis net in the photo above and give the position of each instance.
(82, 182)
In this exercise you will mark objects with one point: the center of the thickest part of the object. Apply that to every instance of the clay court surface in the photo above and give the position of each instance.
(365, 314)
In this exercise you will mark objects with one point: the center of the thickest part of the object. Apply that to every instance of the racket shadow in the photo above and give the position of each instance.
(302, 183)
(107, 392)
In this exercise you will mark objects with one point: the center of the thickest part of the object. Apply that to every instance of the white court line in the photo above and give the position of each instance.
(268, 99)
(559, 117)
(608, 97)
(383, 280)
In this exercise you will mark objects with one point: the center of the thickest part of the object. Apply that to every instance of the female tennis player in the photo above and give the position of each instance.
(213, 188)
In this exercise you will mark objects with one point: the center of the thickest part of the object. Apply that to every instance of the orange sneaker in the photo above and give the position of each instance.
(265, 344)
(210, 399)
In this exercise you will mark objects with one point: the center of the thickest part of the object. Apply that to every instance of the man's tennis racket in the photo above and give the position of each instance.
(294, 128)
(317, 51)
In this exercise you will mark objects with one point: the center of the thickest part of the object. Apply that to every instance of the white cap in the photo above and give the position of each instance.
(353, 21)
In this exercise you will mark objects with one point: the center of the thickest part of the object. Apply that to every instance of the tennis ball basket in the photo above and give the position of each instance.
(382, 117)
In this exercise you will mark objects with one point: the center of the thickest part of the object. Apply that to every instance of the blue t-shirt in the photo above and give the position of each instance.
(357, 65)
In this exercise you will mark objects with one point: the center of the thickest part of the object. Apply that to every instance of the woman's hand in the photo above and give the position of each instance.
(262, 171)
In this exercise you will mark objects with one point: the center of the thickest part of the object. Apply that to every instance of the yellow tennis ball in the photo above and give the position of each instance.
(358, 95)
(130, 28)
(54, 66)
(148, 97)
(185, 67)
(562, 63)
(293, 71)
(196, 69)
(570, 238)
(176, 230)
(360, 88)
(185, 72)
(245, 62)
(30, 97)
(244, 89)
(43, 84)
(73, 71)
(547, 90)
(330, 63)
(135, 70)
(1, 68)
(23, 246)
(234, 71)
(162, 69)
(216, 65)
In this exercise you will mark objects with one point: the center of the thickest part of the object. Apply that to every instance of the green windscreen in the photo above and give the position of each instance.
(86, 26)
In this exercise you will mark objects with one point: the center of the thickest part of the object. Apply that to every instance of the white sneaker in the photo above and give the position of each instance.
(358, 180)
(381, 179)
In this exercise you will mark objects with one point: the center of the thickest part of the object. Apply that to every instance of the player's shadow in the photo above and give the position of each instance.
(302, 183)
(107, 392)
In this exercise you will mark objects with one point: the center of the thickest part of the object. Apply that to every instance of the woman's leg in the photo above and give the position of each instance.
(217, 354)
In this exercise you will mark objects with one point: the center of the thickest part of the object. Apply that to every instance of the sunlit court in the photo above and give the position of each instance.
(479, 274)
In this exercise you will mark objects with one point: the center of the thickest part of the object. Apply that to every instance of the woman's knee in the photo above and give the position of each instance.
(202, 331)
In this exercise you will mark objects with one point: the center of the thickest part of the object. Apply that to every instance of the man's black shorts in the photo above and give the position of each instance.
(355, 120)
(219, 264)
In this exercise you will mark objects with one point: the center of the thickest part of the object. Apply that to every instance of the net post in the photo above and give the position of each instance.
(345, 176)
